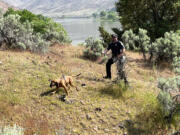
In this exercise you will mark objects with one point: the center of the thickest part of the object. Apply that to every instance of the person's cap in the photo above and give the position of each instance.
(114, 36)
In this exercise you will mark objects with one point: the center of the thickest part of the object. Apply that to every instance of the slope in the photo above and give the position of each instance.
(99, 108)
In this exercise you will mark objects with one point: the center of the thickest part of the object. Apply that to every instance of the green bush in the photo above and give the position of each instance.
(139, 42)
(26, 31)
(176, 65)
(93, 48)
(163, 49)
(170, 104)
(167, 48)
(103, 14)
(168, 85)
(41, 24)
(129, 40)
(143, 42)
(20, 36)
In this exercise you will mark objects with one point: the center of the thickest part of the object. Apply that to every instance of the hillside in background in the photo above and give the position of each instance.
(54, 8)
(4, 6)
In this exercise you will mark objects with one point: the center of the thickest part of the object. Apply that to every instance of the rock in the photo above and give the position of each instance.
(62, 98)
(98, 109)
(82, 102)
(83, 85)
(34, 62)
(121, 125)
(113, 117)
(88, 117)
(102, 121)
(106, 130)
(0, 62)
(72, 101)
(96, 128)
(83, 125)
(129, 122)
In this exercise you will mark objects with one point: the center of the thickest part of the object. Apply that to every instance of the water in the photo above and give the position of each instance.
(79, 29)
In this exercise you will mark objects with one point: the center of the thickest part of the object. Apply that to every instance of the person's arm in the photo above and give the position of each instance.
(106, 50)
(122, 51)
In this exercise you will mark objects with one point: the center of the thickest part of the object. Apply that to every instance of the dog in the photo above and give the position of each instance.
(64, 82)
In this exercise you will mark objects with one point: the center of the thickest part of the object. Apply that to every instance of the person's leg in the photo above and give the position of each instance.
(121, 69)
(108, 68)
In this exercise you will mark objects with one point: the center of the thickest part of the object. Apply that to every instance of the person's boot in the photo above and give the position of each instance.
(107, 77)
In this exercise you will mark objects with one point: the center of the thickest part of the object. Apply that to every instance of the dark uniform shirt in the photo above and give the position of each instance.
(116, 48)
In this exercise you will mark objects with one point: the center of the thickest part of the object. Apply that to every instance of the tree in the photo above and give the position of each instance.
(102, 14)
(157, 17)
(95, 15)
(111, 16)
(106, 37)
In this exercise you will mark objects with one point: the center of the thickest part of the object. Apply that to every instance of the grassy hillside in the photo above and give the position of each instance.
(51, 8)
(99, 108)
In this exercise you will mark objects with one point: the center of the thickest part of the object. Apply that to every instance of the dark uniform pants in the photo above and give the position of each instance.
(108, 67)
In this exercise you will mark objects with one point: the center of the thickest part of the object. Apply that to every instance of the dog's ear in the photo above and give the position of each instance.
(50, 80)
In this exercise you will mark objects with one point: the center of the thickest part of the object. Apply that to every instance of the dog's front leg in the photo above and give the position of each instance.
(65, 89)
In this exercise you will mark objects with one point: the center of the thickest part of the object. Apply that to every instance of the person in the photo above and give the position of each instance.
(118, 55)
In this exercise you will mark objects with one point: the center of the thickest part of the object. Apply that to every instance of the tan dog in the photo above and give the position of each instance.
(64, 82)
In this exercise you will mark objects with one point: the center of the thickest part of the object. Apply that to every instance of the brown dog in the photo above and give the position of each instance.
(64, 82)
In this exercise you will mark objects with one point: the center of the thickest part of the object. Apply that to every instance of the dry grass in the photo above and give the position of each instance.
(24, 78)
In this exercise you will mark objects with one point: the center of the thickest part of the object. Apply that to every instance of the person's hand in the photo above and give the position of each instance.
(119, 56)
(104, 53)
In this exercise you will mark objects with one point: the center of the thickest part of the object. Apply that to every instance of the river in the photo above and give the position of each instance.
(79, 29)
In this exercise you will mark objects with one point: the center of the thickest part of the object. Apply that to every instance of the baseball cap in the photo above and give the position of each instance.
(114, 36)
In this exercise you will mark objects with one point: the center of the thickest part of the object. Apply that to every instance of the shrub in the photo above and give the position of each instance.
(56, 33)
(170, 104)
(143, 42)
(176, 65)
(167, 48)
(20, 36)
(103, 14)
(139, 42)
(15, 130)
(26, 31)
(129, 39)
(93, 48)
(168, 85)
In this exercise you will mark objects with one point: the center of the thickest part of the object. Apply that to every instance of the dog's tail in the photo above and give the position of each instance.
(77, 75)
